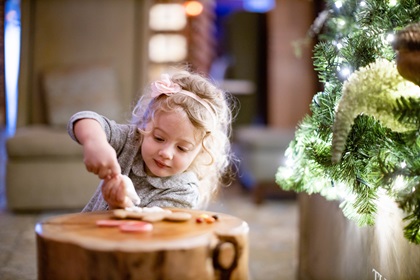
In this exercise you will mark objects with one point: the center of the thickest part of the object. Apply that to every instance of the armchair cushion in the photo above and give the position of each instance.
(77, 88)
(42, 141)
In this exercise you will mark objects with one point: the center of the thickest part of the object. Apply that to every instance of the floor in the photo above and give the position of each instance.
(273, 233)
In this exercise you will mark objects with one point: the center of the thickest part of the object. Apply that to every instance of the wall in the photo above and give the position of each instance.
(292, 81)
(74, 32)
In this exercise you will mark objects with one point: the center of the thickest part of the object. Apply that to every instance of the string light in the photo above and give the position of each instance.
(344, 72)
(392, 3)
(390, 38)
(338, 4)
(341, 22)
(399, 183)
(338, 44)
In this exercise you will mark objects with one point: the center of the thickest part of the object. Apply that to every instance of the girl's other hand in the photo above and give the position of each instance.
(114, 193)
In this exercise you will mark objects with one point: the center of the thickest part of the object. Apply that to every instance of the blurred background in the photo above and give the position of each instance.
(57, 51)
(249, 46)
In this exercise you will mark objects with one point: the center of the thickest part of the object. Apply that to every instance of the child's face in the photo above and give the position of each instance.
(171, 146)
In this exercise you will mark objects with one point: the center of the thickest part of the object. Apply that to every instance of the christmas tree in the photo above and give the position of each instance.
(361, 140)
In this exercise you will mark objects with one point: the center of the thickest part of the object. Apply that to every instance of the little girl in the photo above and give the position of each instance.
(175, 150)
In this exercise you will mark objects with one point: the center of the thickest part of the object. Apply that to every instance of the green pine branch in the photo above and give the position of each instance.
(407, 110)
(377, 155)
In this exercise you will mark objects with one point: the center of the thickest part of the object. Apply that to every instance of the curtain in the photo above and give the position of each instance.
(2, 83)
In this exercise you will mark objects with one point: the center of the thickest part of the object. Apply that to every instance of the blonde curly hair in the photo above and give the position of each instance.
(214, 163)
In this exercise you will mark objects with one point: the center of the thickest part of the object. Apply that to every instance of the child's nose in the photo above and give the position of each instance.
(166, 152)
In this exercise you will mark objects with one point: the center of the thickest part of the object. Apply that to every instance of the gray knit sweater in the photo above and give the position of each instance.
(180, 190)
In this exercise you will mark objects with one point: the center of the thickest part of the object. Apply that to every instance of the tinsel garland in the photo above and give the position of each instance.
(372, 91)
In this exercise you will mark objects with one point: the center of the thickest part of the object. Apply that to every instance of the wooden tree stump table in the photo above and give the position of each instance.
(73, 246)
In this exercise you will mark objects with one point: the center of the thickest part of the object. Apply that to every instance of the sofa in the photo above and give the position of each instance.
(45, 168)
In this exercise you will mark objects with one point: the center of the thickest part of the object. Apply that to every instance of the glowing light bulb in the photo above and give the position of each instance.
(390, 38)
(341, 22)
(193, 8)
(399, 183)
(392, 3)
(338, 4)
(345, 72)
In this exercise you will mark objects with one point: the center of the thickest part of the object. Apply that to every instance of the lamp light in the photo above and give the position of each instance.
(193, 8)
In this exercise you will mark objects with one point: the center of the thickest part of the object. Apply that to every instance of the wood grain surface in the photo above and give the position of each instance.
(72, 246)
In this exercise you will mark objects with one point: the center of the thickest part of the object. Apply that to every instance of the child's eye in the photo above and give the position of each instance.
(182, 149)
(158, 139)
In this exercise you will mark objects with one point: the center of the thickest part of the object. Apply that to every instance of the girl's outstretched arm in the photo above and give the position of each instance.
(98, 155)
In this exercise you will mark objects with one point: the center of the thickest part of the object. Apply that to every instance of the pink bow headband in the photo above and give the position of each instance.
(167, 87)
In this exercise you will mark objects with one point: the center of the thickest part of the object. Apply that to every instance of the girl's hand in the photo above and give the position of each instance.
(101, 159)
(99, 156)
(113, 192)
